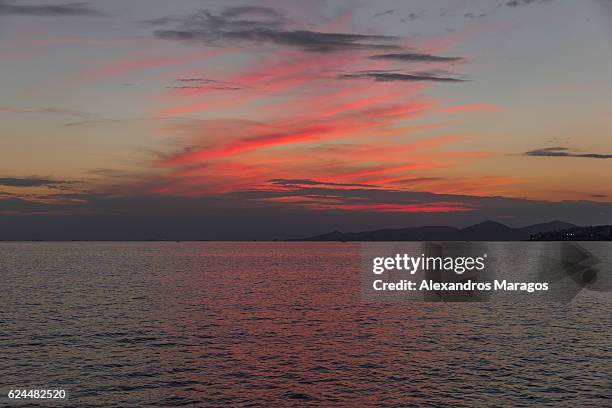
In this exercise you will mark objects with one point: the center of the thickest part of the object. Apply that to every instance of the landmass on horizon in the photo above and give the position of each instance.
(484, 231)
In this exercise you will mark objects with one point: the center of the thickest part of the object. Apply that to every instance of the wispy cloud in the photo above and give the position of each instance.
(315, 108)
(385, 13)
(205, 83)
(57, 10)
(475, 15)
(31, 182)
(515, 3)
(45, 110)
(565, 152)
(264, 25)
(388, 76)
(413, 57)
(413, 16)
(309, 182)
(251, 143)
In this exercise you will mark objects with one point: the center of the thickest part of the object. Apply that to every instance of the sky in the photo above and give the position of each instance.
(197, 119)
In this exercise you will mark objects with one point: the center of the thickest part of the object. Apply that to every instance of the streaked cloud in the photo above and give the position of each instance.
(388, 76)
(53, 10)
(308, 182)
(413, 57)
(413, 16)
(475, 15)
(385, 13)
(265, 25)
(205, 83)
(565, 152)
(31, 182)
(44, 110)
(515, 3)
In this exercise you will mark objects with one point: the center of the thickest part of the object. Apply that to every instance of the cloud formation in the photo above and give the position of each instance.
(44, 110)
(475, 15)
(413, 16)
(388, 76)
(515, 3)
(57, 10)
(265, 25)
(565, 152)
(205, 83)
(385, 13)
(309, 182)
(31, 182)
(412, 57)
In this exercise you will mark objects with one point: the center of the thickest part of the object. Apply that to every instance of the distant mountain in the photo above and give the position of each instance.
(485, 231)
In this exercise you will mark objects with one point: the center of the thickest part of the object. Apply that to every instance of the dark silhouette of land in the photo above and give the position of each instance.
(485, 231)
(592, 233)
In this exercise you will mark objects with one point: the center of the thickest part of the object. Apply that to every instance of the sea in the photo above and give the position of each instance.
(277, 324)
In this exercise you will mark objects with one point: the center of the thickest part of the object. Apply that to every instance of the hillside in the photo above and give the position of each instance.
(485, 231)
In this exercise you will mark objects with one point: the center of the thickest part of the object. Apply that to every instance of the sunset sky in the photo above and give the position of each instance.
(273, 119)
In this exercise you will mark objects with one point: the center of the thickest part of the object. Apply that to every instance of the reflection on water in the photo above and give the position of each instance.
(276, 324)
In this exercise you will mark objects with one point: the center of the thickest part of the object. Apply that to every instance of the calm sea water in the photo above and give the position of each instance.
(277, 324)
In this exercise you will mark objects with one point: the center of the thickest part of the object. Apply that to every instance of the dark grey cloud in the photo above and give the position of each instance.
(565, 152)
(309, 182)
(599, 195)
(515, 3)
(161, 21)
(265, 25)
(413, 16)
(263, 11)
(387, 76)
(413, 57)
(31, 182)
(58, 10)
(475, 15)
(385, 13)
